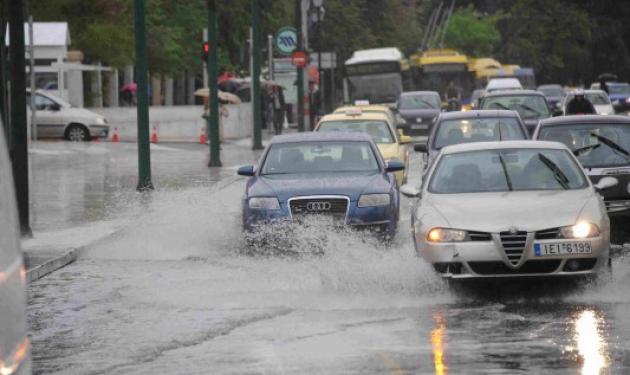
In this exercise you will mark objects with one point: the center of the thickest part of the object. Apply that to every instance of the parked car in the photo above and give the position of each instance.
(336, 175)
(530, 105)
(510, 209)
(553, 93)
(14, 342)
(598, 99)
(498, 84)
(56, 118)
(391, 142)
(419, 109)
(471, 126)
(619, 93)
(602, 145)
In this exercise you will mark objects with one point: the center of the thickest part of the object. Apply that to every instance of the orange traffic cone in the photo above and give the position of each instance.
(203, 138)
(115, 138)
(154, 137)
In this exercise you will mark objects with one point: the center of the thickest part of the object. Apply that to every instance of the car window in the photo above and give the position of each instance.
(419, 102)
(41, 102)
(619, 88)
(527, 106)
(595, 151)
(483, 129)
(506, 170)
(552, 91)
(320, 157)
(378, 130)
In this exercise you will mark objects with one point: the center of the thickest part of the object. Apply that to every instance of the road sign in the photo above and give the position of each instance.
(299, 59)
(286, 40)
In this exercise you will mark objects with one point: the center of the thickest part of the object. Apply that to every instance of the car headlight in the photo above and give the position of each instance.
(579, 230)
(628, 100)
(371, 200)
(446, 235)
(100, 121)
(265, 203)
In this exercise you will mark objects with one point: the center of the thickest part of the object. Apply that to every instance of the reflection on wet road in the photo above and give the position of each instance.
(173, 293)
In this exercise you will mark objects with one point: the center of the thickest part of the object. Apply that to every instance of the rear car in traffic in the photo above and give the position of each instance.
(530, 105)
(336, 176)
(392, 143)
(510, 209)
(602, 145)
(598, 98)
(553, 93)
(419, 109)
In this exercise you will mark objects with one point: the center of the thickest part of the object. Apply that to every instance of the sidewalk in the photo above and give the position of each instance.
(82, 193)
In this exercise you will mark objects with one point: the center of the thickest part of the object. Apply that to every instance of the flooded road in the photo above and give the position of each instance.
(174, 293)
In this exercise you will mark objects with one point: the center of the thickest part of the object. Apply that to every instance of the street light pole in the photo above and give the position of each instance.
(213, 89)
(257, 142)
(144, 151)
(300, 71)
(319, 58)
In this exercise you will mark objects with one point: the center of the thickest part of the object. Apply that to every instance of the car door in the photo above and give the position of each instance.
(49, 118)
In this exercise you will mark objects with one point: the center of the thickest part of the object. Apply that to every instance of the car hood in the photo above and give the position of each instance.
(388, 150)
(285, 187)
(496, 212)
(414, 113)
(80, 113)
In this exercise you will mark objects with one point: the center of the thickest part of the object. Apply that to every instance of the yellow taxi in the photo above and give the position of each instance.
(369, 108)
(391, 143)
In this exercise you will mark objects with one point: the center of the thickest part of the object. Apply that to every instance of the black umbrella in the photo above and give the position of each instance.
(607, 77)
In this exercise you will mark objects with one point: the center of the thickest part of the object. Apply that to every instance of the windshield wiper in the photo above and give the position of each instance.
(581, 150)
(557, 173)
(507, 176)
(501, 106)
(524, 106)
(612, 144)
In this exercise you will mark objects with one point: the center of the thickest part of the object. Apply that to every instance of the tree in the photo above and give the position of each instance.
(470, 32)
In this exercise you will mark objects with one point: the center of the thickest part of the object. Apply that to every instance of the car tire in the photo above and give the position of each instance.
(77, 133)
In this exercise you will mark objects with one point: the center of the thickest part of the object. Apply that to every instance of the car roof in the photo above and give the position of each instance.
(372, 114)
(513, 93)
(320, 136)
(550, 86)
(413, 93)
(585, 119)
(478, 113)
(497, 145)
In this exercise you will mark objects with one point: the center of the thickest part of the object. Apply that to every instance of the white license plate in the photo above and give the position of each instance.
(562, 248)
(419, 126)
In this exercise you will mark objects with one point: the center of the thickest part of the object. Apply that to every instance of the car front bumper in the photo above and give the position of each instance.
(487, 259)
(99, 131)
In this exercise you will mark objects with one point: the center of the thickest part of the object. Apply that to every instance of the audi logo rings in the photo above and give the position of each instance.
(318, 206)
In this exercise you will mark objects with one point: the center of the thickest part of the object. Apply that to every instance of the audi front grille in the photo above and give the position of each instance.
(513, 245)
(336, 207)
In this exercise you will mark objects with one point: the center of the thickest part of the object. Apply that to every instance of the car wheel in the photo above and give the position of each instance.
(77, 133)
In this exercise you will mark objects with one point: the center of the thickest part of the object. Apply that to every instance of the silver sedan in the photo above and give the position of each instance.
(510, 209)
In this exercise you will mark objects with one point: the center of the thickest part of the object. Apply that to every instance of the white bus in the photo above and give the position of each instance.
(377, 75)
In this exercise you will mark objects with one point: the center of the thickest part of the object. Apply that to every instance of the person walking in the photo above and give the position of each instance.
(278, 108)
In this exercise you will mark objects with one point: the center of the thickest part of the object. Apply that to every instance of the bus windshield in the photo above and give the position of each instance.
(375, 88)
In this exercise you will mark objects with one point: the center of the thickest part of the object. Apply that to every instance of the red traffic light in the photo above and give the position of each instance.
(205, 50)
(206, 47)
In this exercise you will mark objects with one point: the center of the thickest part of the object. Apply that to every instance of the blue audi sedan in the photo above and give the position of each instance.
(338, 176)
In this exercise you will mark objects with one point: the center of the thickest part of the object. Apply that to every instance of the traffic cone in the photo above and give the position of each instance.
(203, 138)
(115, 138)
(154, 137)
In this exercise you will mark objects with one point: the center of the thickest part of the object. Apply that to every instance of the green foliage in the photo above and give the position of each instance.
(472, 33)
(109, 43)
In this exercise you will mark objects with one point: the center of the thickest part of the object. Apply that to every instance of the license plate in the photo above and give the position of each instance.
(419, 126)
(564, 248)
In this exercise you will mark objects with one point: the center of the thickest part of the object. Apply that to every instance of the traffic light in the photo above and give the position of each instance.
(205, 50)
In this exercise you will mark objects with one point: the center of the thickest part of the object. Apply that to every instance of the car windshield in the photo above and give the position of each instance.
(622, 88)
(506, 170)
(592, 142)
(552, 92)
(378, 130)
(478, 129)
(320, 157)
(420, 101)
(595, 98)
(528, 106)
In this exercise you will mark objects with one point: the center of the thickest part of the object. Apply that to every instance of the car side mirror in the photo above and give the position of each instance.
(247, 170)
(605, 183)
(404, 139)
(393, 108)
(54, 107)
(420, 147)
(394, 165)
(410, 191)
(556, 112)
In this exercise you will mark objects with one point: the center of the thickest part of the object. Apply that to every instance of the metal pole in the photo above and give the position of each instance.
(213, 87)
(270, 56)
(19, 150)
(256, 112)
(144, 150)
(319, 60)
(4, 78)
(300, 71)
(32, 76)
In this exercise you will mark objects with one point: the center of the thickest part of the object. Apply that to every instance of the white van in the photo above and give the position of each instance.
(14, 343)
(496, 84)
(56, 118)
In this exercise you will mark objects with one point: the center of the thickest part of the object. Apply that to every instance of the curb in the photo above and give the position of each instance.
(52, 265)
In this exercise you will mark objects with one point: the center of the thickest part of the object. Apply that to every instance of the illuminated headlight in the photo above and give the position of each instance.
(628, 100)
(446, 235)
(265, 203)
(100, 121)
(371, 200)
(580, 230)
